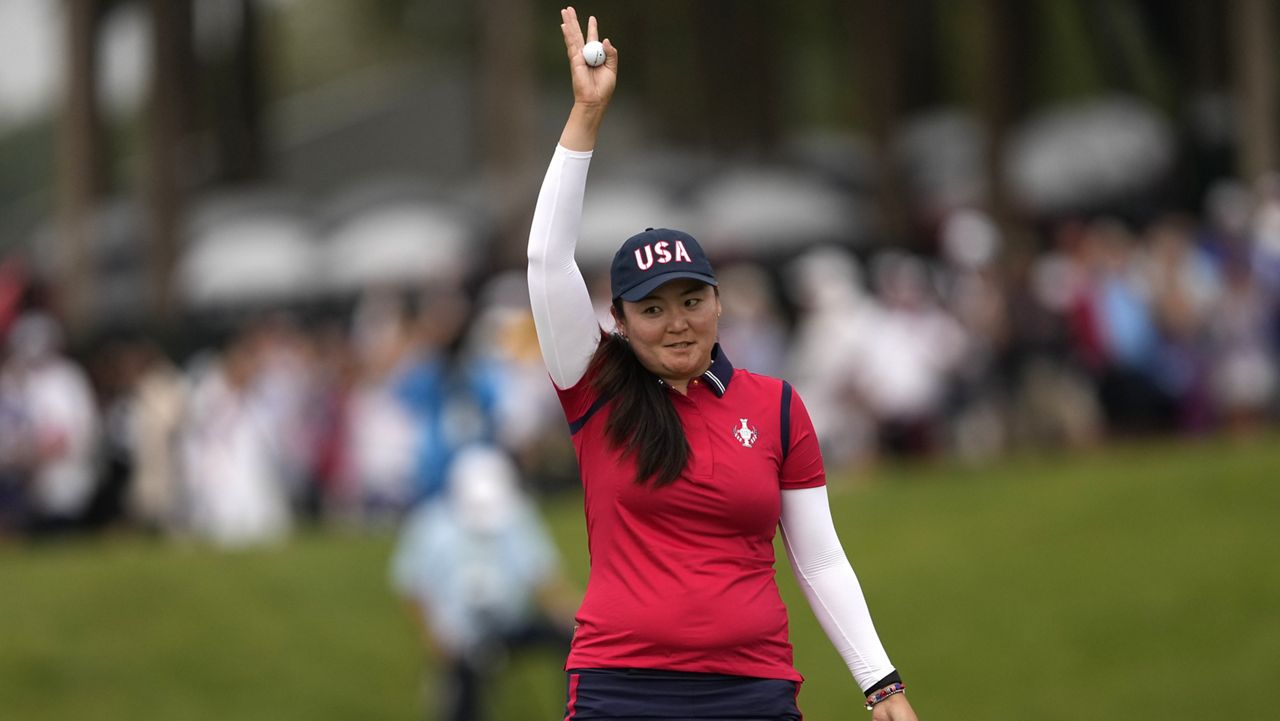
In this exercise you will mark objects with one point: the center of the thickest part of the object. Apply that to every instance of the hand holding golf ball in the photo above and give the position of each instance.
(593, 62)
(593, 53)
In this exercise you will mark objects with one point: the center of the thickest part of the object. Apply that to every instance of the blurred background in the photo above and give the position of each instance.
(261, 282)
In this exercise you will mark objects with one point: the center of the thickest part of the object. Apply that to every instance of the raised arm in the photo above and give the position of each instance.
(567, 329)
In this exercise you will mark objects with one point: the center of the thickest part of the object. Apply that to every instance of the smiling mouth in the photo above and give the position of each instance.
(681, 345)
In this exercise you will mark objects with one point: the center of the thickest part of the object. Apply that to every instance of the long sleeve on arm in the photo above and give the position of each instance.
(568, 332)
(828, 581)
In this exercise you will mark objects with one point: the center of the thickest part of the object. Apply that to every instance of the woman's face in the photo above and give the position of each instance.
(673, 330)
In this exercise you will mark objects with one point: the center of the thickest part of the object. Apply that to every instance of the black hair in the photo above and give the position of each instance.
(643, 422)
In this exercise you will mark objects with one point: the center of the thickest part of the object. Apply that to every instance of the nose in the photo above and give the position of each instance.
(679, 323)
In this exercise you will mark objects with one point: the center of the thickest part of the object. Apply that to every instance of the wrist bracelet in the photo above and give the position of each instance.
(884, 693)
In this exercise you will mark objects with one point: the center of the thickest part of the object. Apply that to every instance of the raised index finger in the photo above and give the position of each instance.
(591, 28)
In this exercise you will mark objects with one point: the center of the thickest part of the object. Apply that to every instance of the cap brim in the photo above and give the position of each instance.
(642, 290)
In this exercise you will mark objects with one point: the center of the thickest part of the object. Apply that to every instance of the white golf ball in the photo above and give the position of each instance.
(593, 53)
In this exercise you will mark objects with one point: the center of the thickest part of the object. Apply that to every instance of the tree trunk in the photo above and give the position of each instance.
(508, 110)
(739, 49)
(875, 31)
(79, 166)
(246, 148)
(995, 103)
(171, 43)
(236, 92)
(1254, 41)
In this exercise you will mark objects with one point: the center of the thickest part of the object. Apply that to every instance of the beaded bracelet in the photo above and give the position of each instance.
(884, 693)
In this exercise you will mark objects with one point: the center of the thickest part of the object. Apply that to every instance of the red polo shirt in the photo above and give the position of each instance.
(682, 577)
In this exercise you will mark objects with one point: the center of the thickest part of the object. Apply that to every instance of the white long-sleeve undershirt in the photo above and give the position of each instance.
(568, 333)
(829, 583)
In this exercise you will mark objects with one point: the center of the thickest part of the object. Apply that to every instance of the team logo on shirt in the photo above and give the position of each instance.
(745, 434)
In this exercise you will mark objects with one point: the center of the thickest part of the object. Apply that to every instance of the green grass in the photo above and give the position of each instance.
(1141, 582)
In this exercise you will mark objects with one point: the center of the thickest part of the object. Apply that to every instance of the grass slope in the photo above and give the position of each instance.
(1141, 582)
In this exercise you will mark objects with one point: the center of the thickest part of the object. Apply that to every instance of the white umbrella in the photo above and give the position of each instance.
(615, 211)
(765, 210)
(268, 256)
(405, 242)
(265, 256)
(1089, 153)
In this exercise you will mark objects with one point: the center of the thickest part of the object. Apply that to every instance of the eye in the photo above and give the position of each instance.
(692, 302)
(651, 310)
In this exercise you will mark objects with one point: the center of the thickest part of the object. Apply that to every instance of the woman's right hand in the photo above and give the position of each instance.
(592, 87)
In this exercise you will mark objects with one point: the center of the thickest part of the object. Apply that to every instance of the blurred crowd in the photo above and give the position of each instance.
(973, 345)
(285, 421)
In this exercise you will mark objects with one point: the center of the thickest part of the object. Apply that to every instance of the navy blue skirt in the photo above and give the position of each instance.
(649, 695)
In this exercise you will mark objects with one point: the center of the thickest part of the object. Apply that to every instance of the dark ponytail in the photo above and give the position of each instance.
(643, 422)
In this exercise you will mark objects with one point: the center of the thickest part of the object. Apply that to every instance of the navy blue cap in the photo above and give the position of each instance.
(655, 257)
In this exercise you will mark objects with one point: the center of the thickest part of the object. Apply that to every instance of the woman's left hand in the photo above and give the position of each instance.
(592, 86)
(894, 708)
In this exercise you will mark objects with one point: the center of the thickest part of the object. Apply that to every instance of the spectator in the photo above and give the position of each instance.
(1053, 352)
(1119, 302)
(751, 325)
(973, 290)
(913, 357)
(481, 577)
(14, 467)
(286, 383)
(159, 398)
(232, 464)
(837, 323)
(453, 398)
(54, 419)
(1185, 285)
(381, 434)
(1244, 372)
(335, 486)
(526, 414)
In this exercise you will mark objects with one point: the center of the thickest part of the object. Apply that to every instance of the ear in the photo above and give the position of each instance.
(619, 319)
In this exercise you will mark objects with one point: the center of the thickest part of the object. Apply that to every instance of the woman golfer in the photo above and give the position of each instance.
(688, 466)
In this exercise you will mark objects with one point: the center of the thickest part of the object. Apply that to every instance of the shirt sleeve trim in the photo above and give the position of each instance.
(785, 432)
(575, 426)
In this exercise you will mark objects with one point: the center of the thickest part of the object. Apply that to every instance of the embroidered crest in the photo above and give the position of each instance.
(745, 434)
